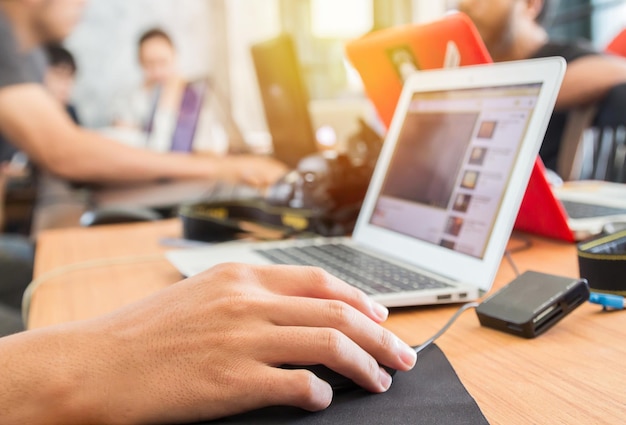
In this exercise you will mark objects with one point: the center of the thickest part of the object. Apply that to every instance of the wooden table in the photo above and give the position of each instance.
(573, 374)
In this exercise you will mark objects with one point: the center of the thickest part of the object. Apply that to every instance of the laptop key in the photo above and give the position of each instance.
(368, 273)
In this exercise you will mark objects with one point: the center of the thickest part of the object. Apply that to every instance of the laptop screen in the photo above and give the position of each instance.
(452, 163)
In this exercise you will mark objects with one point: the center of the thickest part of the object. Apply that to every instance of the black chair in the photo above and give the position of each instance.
(594, 141)
(604, 156)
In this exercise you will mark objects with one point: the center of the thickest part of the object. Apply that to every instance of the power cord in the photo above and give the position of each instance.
(509, 258)
(58, 272)
(447, 326)
(469, 306)
(527, 244)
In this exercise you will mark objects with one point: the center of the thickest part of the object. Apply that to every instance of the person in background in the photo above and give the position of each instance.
(60, 77)
(204, 348)
(515, 30)
(34, 124)
(155, 101)
(32, 121)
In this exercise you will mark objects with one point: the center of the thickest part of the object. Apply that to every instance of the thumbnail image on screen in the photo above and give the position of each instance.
(452, 163)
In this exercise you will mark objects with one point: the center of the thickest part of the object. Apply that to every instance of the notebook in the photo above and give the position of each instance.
(444, 195)
(285, 99)
(571, 213)
(385, 59)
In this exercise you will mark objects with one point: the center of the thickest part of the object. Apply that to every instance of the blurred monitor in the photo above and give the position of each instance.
(285, 99)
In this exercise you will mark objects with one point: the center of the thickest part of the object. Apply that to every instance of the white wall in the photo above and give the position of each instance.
(428, 10)
(105, 46)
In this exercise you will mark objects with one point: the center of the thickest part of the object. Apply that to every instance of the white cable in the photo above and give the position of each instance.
(443, 330)
(58, 272)
(509, 258)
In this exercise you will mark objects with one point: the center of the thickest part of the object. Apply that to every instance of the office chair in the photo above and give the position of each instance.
(593, 146)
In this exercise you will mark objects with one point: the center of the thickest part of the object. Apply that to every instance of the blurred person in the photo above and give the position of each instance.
(201, 349)
(61, 76)
(31, 120)
(515, 30)
(34, 122)
(162, 85)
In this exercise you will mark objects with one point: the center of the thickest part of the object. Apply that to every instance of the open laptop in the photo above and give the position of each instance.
(570, 213)
(386, 58)
(445, 192)
(285, 99)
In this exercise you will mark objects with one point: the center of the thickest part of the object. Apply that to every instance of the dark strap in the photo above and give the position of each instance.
(602, 261)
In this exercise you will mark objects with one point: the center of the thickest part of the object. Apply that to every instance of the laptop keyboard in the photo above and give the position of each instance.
(582, 210)
(368, 273)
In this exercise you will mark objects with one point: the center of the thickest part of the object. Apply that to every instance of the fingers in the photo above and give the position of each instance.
(330, 347)
(252, 179)
(380, 343)
(296, 388)
(258, 179)
(313, 282)
(260, 171)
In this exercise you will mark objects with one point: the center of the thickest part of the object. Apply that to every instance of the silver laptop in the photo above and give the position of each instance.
(592, 205)
(445, 192)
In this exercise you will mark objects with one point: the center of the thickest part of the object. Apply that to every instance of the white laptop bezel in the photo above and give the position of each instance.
(460, 267)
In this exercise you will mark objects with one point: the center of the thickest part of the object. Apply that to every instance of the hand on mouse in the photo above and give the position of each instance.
(204, 348)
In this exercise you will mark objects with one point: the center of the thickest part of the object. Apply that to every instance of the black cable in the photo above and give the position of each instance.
(443, 330)
(527, 243)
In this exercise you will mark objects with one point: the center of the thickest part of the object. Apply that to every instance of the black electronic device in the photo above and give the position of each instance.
(323, 195)
(602, 261)
(285, 99)
(325, 181)
(532, 303)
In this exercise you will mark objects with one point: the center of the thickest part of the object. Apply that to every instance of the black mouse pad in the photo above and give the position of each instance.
(430, 394)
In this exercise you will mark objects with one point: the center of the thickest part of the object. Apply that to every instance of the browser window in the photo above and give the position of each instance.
(452, 163)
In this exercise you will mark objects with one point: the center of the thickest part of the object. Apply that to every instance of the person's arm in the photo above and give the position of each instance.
(589, 79)
(37, 124)
(204, 348)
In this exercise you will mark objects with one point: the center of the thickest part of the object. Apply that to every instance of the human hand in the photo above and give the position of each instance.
(13, 170)
(209, 346)
(258, 171)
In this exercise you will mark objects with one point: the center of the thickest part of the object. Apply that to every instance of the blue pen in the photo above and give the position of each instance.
(615, 302)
